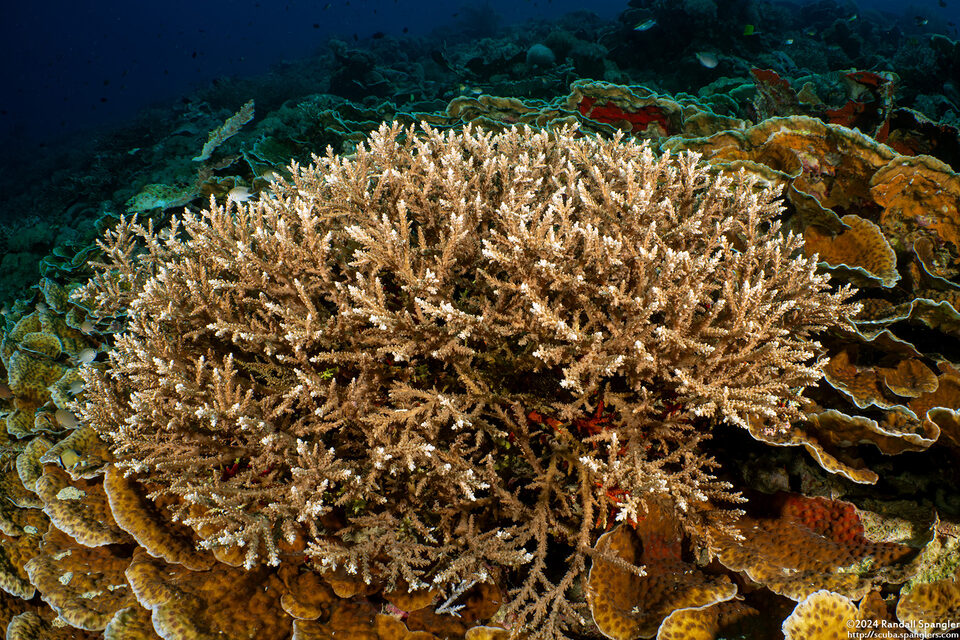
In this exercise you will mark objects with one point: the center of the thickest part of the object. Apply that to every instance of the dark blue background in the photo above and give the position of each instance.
(67, 66)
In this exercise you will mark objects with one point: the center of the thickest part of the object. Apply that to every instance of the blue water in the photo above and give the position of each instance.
(70, 65)
(77, 64)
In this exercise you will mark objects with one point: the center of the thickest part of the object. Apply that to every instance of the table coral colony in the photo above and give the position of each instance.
(639, 371)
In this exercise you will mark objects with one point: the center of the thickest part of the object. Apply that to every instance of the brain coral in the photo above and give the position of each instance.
(449, 357)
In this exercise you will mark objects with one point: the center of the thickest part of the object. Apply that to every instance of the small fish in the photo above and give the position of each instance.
(852, 18)
(69, 458)
(920, 20)
(238, 194)
(66, 419)
(749, 29)
(788, 41)
(86, 356)
(707, 59)
(271, 176)
(645, 25)
(942, 3)
(810, 32)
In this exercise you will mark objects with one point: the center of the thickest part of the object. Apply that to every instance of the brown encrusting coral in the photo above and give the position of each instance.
(449, 357)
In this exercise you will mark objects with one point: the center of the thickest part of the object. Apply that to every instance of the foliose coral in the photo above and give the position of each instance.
(449, 357)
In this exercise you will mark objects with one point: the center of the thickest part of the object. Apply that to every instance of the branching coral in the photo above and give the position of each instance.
(450, 357)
